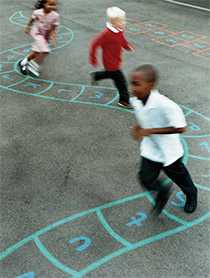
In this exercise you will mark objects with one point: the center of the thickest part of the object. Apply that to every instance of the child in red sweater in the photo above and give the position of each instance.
(112, 42)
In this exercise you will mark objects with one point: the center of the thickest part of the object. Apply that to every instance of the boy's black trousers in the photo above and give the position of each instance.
(119, 80)
(177, 172)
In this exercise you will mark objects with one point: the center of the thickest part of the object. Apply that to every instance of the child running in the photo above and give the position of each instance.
(112, 41)
(42, 27)
(159, 124)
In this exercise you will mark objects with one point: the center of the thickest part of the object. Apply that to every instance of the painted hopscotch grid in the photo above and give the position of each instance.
(197, 44)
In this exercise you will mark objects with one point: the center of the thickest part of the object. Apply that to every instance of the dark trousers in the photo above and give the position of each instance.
(177, 172)
(119, 81)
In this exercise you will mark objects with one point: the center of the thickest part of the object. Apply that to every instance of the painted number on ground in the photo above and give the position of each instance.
(137, 220)
(84, 243)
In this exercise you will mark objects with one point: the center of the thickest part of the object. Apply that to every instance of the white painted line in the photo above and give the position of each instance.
(187, 5)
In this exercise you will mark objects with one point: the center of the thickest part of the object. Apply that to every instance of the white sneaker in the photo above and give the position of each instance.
(33, 70)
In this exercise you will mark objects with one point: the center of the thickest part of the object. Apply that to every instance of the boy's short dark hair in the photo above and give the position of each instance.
(40, 4)
(149, 71)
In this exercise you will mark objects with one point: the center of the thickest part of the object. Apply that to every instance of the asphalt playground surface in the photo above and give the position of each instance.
(70, 203)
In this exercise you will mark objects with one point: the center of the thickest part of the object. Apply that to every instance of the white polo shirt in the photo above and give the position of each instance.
(159, 112)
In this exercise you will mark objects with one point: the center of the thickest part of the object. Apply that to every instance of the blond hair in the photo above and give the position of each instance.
(115, 12)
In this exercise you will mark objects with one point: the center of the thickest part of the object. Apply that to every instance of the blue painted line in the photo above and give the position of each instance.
(19, 53)
(142, 243)
(18, 82)
(68, 219)
(79, 95)
(27, 275)
(110, 231)
(6, 62)
(199, 157)
(46, 89)
(202, 187)
(5, 72)
(113, 100)
(196, 136)
(199, 114)
(175, 218)
(53, 260)
(17, 47)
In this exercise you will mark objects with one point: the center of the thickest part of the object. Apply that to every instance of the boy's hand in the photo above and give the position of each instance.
(131, 48)
(138, 133)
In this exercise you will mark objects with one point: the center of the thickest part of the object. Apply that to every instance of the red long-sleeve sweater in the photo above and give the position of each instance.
(111, 44)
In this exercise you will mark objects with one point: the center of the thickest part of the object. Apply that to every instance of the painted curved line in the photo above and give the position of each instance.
(199, 157)
(142, 243)
(196, 136)
(54, 261)
(110, 231)
(17, 83)
(79, 94)
(11, 249)
(8, 251)
(5, 72)
(128, 248)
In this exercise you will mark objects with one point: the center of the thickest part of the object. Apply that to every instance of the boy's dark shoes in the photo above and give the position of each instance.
(124, 104)
(93, 81)
(191, 203)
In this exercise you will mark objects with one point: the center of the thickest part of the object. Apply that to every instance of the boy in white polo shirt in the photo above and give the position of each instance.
(159, 124)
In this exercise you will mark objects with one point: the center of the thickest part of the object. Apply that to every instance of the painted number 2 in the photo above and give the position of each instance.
(137, 220)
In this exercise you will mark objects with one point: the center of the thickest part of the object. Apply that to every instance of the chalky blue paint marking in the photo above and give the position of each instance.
(27, 275)
(82, 247)
(17, 83)
(138, 219)
(7, 76)
(113, 100)
(110, 231)
(181, 200)
(32, 85)
(194, 127)
(46, 89)
(53, 260)
(7, 72)
(199, 157)
(207, 176)
(79, 95)
(142, 243)
(68, 219)
(205, 146)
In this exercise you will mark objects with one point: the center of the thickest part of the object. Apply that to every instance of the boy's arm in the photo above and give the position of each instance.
(126, 45)
(139, 132)
(95, 44)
